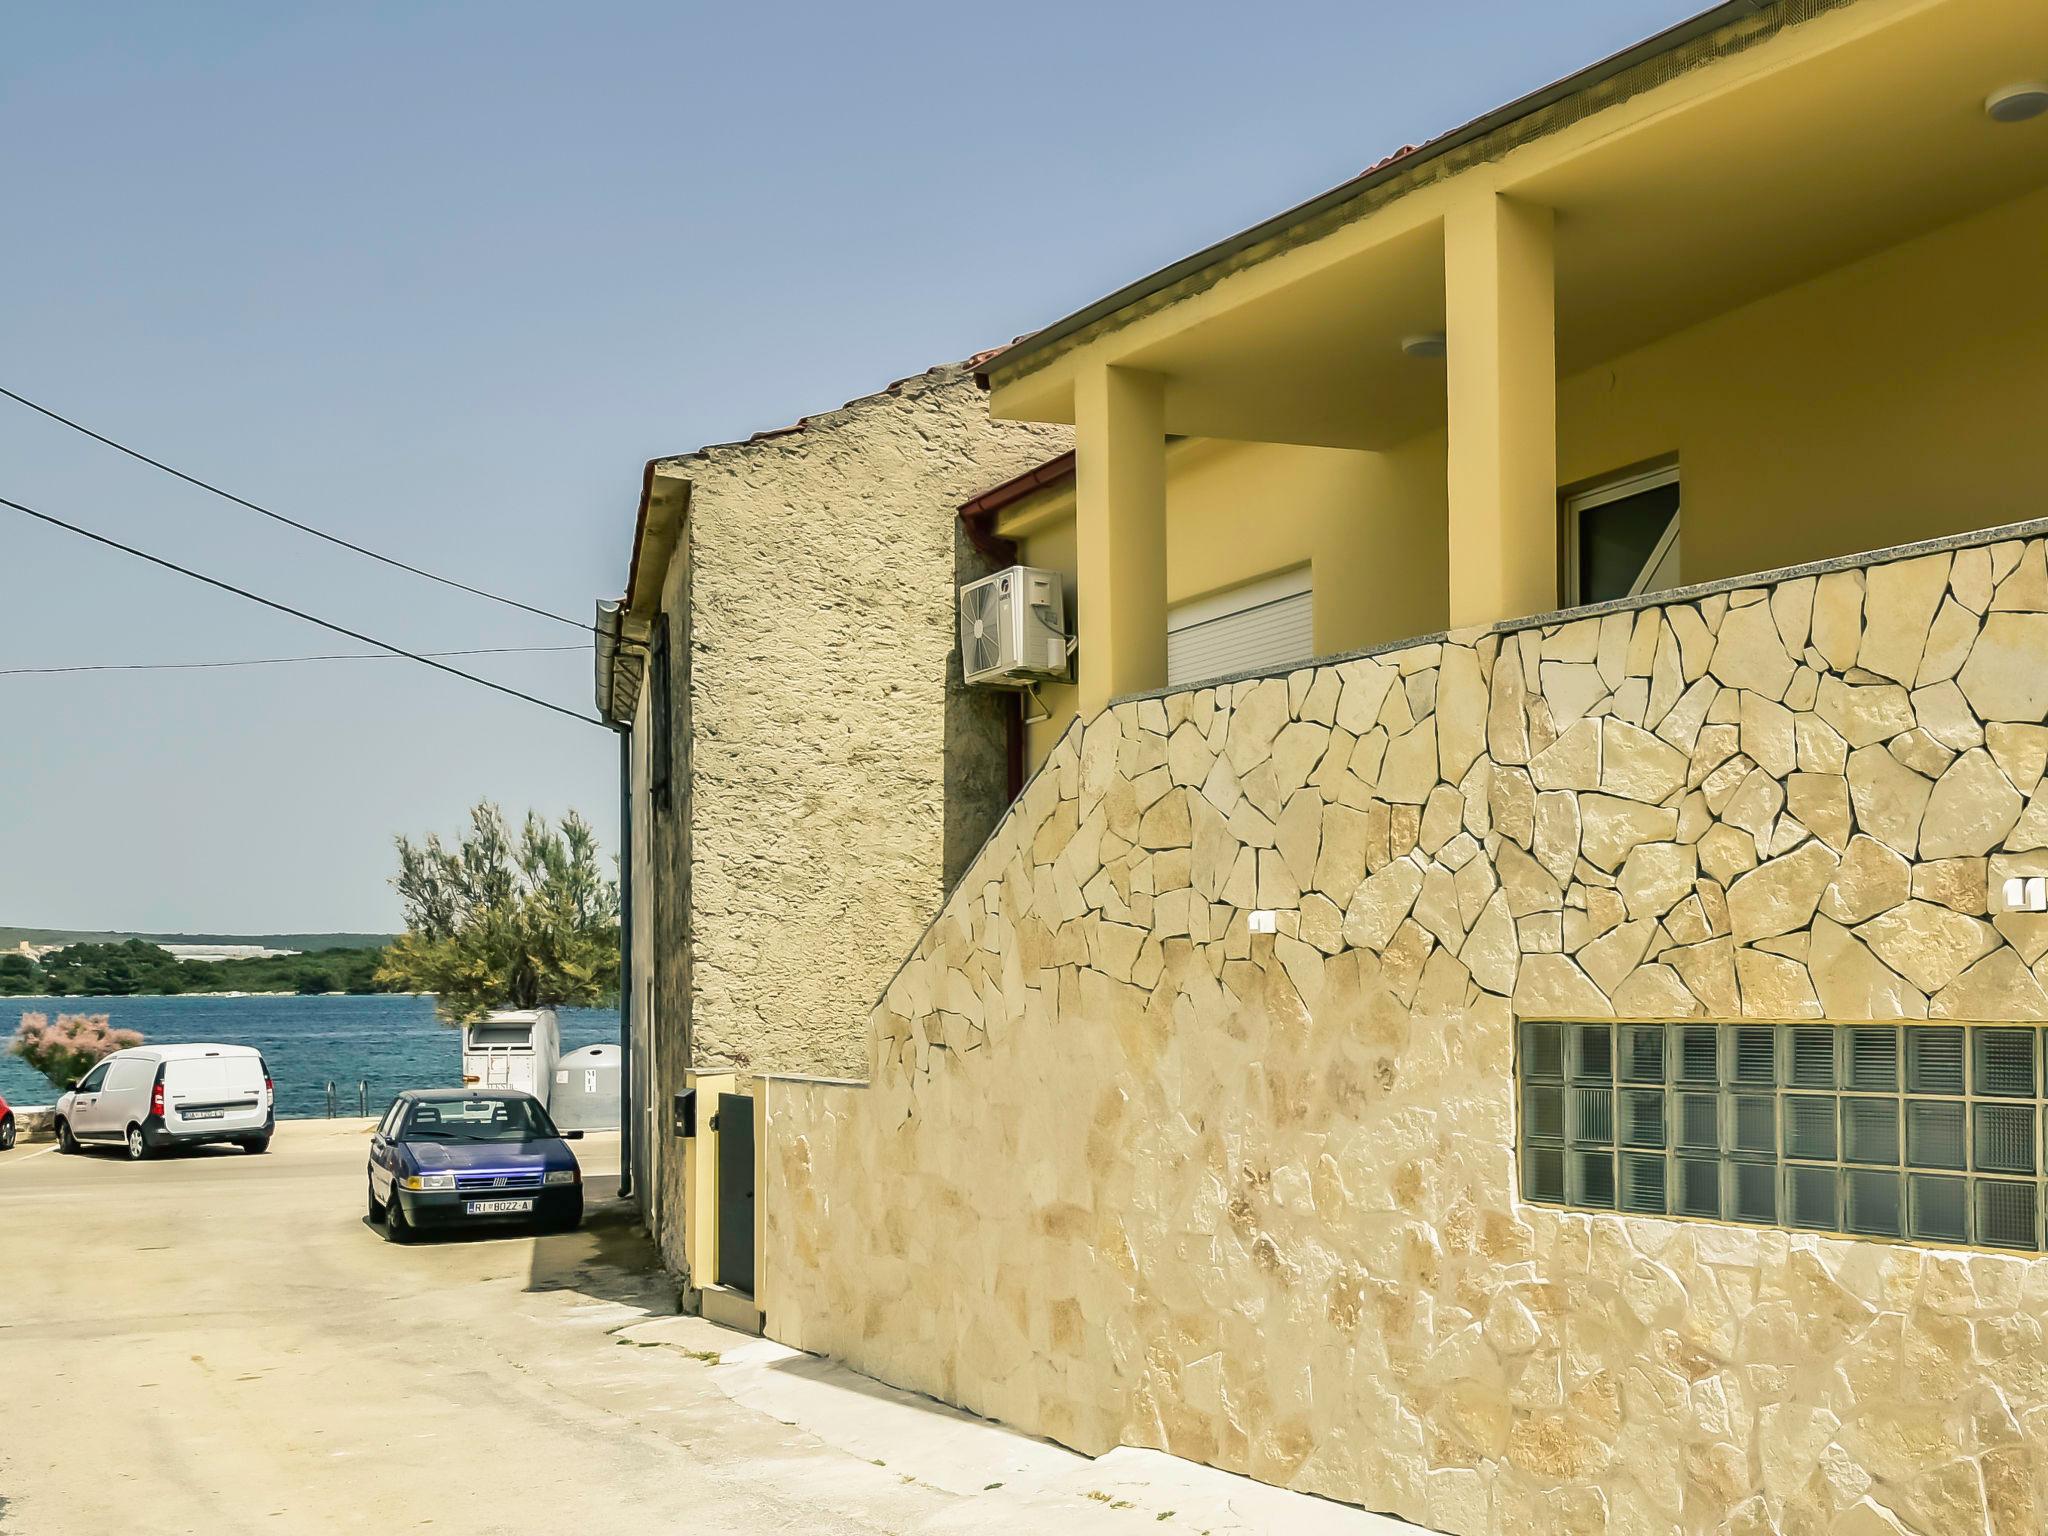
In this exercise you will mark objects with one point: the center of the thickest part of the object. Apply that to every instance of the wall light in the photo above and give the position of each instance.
(2017, 103)
(1425, 344)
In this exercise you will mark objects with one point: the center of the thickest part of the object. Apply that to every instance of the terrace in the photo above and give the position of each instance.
(1762, 292)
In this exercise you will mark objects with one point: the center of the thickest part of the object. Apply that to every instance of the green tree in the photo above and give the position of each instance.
(18, 974)
(494, 923)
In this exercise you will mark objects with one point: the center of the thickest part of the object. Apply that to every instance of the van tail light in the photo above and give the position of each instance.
(156, 1099)
(266, 1084)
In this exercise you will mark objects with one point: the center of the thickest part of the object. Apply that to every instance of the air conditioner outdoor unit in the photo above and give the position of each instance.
(1013, 628)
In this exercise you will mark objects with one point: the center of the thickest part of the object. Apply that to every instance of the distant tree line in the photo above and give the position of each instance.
(498, 920)
(138, 968)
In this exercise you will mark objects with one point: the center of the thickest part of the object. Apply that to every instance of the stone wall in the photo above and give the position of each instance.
(1128, 1173)
(831, 757)
(831, 772)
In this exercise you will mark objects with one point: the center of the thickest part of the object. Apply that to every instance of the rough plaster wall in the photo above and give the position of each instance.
(821, 653)
(1127, 1173)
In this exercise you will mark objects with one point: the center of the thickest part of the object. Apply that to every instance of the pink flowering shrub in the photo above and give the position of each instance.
(66, 1050)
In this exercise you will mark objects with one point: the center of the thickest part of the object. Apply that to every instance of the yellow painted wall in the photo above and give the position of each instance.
(1898, 398)
(1370, 526)
(1052, 547)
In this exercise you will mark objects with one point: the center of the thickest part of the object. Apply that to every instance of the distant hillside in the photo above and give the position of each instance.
(11, 937)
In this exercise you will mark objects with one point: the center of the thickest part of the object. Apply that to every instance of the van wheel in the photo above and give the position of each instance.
(138, 1149)
(7, 1133)
(66, 1142)
(257, 1144)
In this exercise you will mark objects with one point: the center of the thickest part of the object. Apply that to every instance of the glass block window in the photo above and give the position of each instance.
(1924, 1132)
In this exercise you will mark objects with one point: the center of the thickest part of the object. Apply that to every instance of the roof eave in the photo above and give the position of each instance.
(1025, 353)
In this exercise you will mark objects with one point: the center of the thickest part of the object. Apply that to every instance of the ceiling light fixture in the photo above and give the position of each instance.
(1425, 344)
(2017, 103)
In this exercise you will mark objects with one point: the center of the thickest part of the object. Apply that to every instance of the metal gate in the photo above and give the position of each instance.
(736, 1191)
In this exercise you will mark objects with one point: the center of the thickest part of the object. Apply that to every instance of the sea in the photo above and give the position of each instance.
(368, 1048)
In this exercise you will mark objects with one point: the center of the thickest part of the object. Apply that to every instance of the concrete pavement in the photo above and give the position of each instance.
(221, 1343)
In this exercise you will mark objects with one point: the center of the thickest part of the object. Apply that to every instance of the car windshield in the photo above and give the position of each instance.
(482, 1119)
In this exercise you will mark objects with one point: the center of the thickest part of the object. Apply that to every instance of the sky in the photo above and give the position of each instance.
(442, 278)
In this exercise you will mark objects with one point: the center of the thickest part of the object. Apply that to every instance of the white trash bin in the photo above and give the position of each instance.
(586, 1096)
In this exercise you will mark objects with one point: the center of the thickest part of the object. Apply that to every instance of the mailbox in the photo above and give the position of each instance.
(686, 1112)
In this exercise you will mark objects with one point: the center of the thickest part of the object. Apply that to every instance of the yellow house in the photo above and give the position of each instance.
(1516, 990)
(1765, 289)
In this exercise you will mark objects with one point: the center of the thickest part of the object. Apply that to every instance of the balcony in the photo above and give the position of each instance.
(1777, 308)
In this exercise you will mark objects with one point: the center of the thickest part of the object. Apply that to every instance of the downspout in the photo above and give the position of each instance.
(625, 962)
(999, 551)
(609, 631)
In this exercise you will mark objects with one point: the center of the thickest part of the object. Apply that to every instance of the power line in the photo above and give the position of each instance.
(297, 613)
(289, 522)
(274, 661)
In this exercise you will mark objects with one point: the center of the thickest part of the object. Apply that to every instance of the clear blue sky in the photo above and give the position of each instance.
(442, 278)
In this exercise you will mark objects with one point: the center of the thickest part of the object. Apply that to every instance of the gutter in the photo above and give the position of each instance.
(640, 526)
(1021, 354)
(609, 629)
(989, 502)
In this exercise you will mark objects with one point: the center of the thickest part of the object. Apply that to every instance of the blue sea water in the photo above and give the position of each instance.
(389, 1042)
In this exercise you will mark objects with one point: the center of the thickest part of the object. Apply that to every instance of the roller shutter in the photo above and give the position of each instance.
(1264, 627)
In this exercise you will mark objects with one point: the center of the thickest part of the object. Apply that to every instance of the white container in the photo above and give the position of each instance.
(587, 1089)
(513, 1048)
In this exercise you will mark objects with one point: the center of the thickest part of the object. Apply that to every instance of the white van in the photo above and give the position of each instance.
(157, 1096)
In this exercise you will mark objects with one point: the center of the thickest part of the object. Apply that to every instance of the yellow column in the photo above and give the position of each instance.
(1501, 367)
(1120, 533)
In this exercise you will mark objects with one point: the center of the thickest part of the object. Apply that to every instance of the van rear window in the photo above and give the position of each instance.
(499, 1034)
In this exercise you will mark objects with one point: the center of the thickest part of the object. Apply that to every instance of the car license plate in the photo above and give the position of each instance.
(498, 1207)
(200, 1114)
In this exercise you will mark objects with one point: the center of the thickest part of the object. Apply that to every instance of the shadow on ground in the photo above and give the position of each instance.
(610, 1258)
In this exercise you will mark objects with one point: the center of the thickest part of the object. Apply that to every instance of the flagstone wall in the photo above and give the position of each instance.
(1126, 1172)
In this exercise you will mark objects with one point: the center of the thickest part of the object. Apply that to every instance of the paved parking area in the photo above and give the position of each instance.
(218, 1343)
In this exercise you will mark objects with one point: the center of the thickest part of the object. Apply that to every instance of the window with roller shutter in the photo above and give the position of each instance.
(1264, 626)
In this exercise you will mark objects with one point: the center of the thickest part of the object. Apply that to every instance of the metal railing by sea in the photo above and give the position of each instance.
(341, 1103)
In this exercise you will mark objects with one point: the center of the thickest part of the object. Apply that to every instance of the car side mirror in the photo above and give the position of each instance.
(78, 1084)
(572, 1135)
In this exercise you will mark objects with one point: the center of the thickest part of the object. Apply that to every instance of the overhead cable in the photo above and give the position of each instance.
(297, 613)
(274, 661)
(289, 522)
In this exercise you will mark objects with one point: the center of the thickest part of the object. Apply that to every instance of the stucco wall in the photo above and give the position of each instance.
(834, 759)
(1891, 399)
(1894, 398)
(1127, 1173)
(1238, 511)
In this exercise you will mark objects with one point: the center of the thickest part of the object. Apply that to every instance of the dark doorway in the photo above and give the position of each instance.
(736, 1191)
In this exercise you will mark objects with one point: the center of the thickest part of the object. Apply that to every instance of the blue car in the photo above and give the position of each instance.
(457, 1157)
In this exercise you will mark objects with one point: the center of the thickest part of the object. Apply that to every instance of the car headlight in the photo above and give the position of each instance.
(429, 1181)
(561, 1176)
